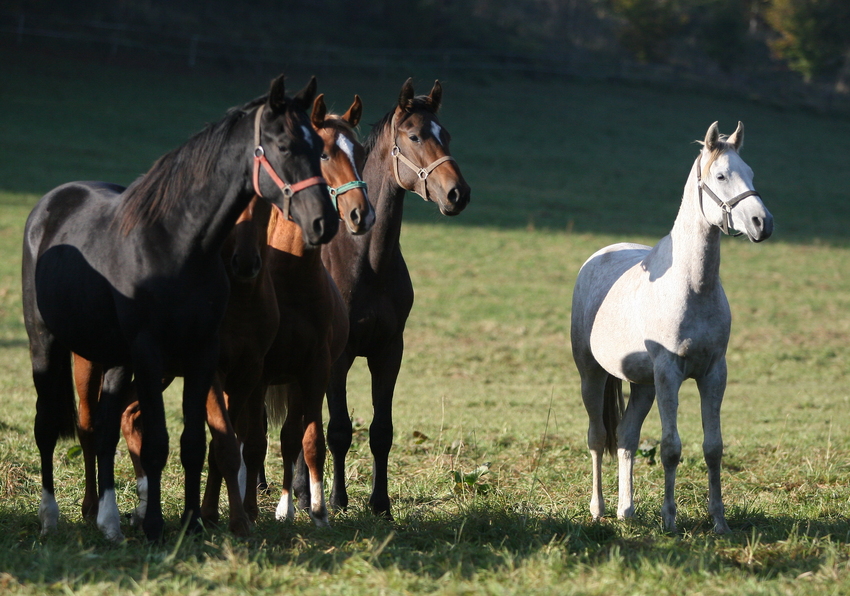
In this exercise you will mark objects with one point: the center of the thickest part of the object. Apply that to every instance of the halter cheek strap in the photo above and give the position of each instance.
(421, 173)
(260, 159)
(725, 206)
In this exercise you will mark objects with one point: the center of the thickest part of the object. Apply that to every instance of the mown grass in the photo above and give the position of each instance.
(558, 169)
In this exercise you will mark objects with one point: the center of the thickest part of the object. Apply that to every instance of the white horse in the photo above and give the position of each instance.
(657, 316)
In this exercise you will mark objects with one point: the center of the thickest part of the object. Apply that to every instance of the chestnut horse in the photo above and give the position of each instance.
(407, 150)
(132, 279)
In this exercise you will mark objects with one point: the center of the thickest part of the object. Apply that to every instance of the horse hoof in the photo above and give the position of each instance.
(241, 527)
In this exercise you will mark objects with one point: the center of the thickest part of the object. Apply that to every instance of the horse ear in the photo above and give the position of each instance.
(304, 98)
(711, 137)
(320, 110)
(354, 113)
(436, 96)
(277, 94)
(406, 96)
(737, 138)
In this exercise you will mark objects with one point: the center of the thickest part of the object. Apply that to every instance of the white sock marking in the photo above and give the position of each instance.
(108, 518)
(48, 512)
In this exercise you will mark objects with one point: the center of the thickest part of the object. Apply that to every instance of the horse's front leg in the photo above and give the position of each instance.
(628, 435)
(668, 379)
(154, 449)
(313, 441)
(226, 461)
(711, 389)
(107, 430)
(291, 436)
(197, 381)
(384, 367)
(340, 429)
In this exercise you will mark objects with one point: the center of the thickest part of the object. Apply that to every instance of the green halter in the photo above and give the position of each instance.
(345, 188)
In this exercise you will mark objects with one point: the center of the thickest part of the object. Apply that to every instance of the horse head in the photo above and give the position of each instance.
(422, 161)
(342, 161)
(288, 150)
(728, 181)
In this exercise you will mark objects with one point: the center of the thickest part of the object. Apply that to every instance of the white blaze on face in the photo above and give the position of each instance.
(308, 135)
(437, 131)
(347, 146)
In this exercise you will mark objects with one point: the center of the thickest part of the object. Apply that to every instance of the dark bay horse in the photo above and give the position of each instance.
(132, 279)
(407, 150)
(312, 326)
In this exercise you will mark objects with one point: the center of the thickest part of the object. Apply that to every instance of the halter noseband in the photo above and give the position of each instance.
(260, 159)
(335, 192)
(725, 206)
(421, 173)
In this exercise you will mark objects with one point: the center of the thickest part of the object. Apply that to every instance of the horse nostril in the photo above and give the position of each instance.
(234, 263)
(354, 216)
(258, 263)
(319, 226)
(454, 196)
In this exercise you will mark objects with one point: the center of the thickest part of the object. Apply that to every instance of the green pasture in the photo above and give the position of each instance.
(490, 476)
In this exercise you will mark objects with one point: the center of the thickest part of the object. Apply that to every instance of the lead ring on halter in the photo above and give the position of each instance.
(260, 159)
(335, 192)
(725, 206)
(421, 173)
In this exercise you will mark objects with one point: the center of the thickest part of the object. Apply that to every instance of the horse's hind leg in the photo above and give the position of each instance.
(54, 418)
(88, 377)
(592, 390)
(711, 389)
(628, 435)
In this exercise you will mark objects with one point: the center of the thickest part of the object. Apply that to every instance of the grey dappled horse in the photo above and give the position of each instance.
(655, 316)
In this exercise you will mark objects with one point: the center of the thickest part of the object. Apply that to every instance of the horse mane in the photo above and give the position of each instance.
(183, 170)
(718, 150)
(421, 102)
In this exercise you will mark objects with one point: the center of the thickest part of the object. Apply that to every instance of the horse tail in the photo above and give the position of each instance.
(277, 401)
(612, 411)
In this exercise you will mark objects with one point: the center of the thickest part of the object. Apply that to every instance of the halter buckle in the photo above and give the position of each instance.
(259, 151)
(395, 151)
(422, 173)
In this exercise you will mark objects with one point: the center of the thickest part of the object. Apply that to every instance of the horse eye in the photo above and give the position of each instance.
(414, 138)
(721, 177)
(325, 157)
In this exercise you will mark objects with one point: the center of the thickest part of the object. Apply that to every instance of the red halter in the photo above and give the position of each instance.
(260, 159)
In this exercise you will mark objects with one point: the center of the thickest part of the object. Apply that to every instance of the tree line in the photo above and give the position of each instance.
(811, 37)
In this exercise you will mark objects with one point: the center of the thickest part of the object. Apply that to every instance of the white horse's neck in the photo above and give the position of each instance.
(695, 242)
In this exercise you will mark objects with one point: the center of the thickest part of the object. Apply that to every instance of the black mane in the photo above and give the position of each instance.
(178, 172)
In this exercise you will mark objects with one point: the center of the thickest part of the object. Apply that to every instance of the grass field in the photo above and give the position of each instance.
(558, 169)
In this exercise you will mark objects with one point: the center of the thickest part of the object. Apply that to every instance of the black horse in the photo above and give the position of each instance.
(133, 280)
(407, 150)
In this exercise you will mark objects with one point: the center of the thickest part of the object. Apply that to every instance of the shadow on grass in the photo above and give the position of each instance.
(480, 539)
